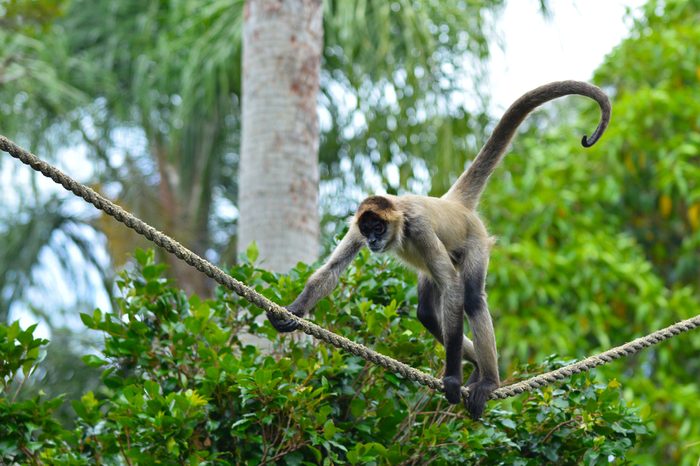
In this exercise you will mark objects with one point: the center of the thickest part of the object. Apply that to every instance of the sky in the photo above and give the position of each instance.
(570, 44)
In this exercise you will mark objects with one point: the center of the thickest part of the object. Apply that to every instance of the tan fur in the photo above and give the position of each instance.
(451, 221)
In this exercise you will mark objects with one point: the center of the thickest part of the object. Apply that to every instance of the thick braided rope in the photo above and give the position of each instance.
(308, 327)
(605, 357)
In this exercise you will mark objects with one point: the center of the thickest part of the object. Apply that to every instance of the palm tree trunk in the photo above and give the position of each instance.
(278, 199)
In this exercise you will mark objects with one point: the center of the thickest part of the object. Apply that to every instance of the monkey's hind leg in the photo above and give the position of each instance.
(453, 336)
(429, 315)
(440, 311)
(487, 380)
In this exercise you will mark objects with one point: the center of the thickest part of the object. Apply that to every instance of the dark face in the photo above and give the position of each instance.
(375, 231)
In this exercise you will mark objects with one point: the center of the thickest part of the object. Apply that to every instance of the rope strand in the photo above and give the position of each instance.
(255, 298)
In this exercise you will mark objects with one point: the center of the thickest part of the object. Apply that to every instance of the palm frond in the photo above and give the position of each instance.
(44, 245)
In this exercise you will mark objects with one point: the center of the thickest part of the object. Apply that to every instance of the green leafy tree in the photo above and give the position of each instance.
(654, 145)
(568, 276)
(180, 387)
(653, 155)
(570, 267)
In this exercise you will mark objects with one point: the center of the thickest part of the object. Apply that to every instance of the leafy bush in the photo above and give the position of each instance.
(183, 386)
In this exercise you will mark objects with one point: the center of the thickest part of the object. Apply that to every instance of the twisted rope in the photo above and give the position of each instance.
(255, 298)
(605, 357)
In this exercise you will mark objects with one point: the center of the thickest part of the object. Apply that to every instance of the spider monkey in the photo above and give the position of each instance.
(444, 239)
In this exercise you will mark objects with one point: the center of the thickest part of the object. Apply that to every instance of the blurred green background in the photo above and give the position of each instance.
(595, 247)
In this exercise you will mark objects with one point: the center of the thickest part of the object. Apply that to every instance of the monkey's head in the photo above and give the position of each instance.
(380, 223)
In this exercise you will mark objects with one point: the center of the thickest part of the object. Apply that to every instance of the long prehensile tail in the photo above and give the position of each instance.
(471, 183)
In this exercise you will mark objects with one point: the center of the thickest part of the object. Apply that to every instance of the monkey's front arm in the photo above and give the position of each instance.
(323, 281)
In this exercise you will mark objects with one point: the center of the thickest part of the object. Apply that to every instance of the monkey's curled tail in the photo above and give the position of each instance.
(471, 183)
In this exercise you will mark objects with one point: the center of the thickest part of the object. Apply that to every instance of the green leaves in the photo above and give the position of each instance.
(93, 361)
(252, 252)
(18, 350)
(27, 427)
(653, 145)
(183, 384)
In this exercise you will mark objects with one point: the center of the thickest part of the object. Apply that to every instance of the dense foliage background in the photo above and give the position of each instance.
(180, 387)
(595, 247)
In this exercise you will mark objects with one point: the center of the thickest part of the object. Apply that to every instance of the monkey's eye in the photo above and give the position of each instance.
(379, 228)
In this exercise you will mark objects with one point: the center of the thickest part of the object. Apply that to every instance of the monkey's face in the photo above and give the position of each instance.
(376, 231)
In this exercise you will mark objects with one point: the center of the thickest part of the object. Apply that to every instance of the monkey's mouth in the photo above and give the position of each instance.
(376, 247)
